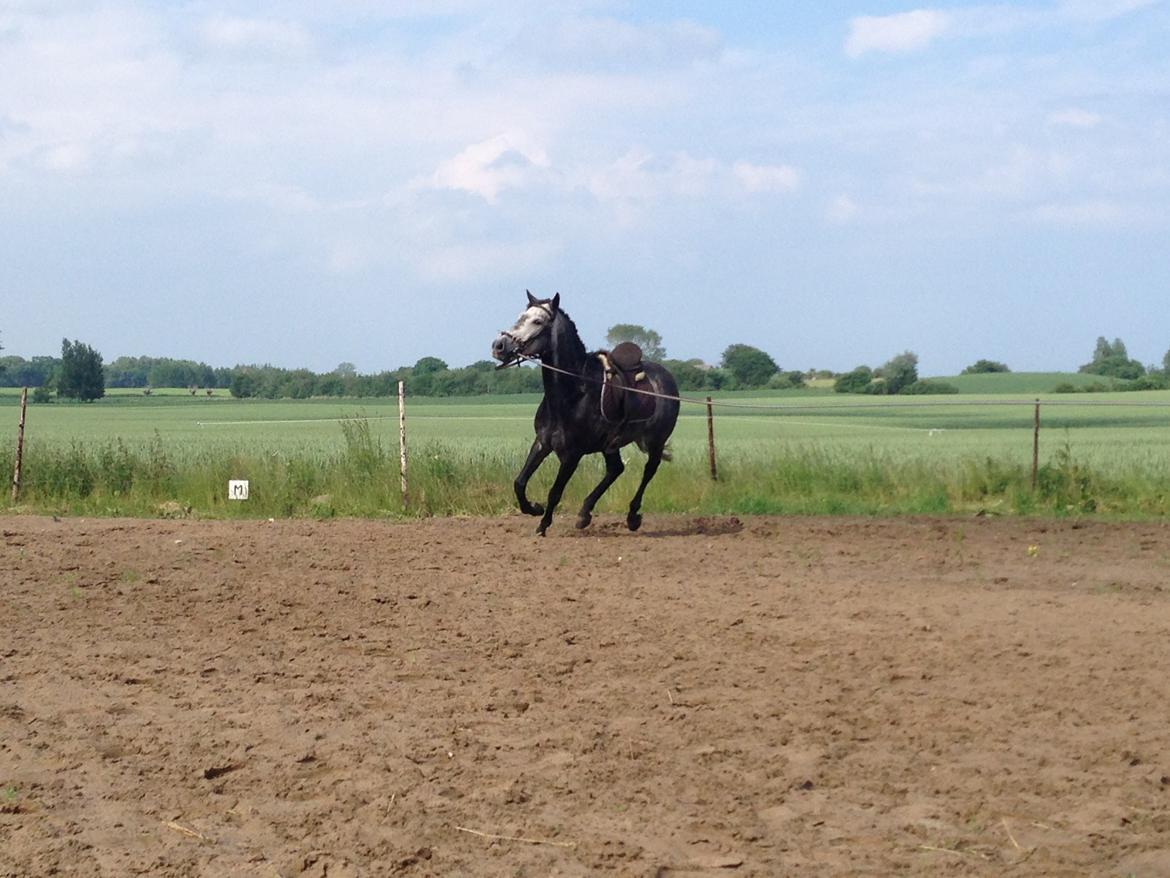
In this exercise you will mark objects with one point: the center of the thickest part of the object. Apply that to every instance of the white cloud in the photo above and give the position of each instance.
(276, 37)
(1005, 174)
(625, 178)
(1074, 117)
(642, 176)
(901, 32)
(766, 178)
(1079, 213)
(842, 209)
(506, 161)
(1103, 10)
(584, 42)
(66, 158)
(691, 176)
(915, 30)
(463, 261)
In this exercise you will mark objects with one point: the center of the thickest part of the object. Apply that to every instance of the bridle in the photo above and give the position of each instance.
(519, 345)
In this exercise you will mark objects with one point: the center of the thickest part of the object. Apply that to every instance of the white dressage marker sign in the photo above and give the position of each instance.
(237, 489)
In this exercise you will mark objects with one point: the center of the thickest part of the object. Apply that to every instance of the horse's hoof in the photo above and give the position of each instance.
(633, 521)
(532, 509)
(584, 520)
(541, 528)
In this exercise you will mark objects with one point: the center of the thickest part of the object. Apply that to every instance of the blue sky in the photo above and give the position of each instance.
(308, 183)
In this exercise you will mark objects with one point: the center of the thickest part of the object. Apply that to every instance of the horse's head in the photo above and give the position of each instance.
(529, 336)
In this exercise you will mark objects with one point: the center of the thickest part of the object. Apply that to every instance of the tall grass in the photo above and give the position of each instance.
(361, 478)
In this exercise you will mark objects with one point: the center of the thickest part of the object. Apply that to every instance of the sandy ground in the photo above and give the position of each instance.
(708, 696)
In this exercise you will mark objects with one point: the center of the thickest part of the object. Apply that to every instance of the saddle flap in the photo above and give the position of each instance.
(625, 376)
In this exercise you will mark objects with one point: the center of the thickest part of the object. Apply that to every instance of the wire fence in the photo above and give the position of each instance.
(844, 406)
(832, 411)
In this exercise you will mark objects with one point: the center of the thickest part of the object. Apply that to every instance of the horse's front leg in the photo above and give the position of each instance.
(569, 461)
(613, 468)
(536, 455)
(634, 518)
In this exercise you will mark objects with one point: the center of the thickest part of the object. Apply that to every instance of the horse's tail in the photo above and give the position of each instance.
(666, 455)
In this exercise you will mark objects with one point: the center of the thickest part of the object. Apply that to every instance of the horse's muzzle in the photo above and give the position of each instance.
(504, 349)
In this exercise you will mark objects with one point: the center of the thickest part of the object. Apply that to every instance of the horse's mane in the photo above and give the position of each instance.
(568, 339)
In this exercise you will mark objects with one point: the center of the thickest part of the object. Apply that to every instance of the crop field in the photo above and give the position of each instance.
(778, 452)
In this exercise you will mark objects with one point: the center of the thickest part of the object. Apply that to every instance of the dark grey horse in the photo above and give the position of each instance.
(569, 420)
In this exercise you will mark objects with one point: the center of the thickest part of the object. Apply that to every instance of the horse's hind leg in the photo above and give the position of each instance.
(634, 518)
(613, 468)
(536, 456)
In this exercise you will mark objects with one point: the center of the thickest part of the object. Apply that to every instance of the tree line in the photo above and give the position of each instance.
(79, 373)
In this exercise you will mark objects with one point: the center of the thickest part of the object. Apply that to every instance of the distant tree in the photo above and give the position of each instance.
(900, 372)
(421, 383)
(427, 365)
(161, 372)
(721, 379)
(750, 366)
(345, 370)
(980, 367)
(167, 372)
(128, 372)
(243, 384)
(647, 339)
(786, 380)
(689, 374)
(1103, 350)
(81, 375)
(37, 372)
(1112, 361)
(857, 381)
(1166, 363)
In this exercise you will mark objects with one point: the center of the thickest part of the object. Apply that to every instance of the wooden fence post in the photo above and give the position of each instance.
(402, 441)
(19, 446)
(1036, 447)
(711, 440)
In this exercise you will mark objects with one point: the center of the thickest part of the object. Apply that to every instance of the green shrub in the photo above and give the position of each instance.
(922, 387)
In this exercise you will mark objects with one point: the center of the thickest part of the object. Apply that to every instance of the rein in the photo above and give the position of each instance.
(601, 383)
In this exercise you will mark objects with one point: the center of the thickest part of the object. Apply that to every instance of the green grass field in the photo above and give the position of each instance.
(1020, 382)
(807, 451)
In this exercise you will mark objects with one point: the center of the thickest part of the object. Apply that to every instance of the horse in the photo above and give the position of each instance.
(570, 419)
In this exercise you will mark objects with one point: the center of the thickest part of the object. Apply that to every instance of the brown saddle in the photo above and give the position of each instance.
(624, 372)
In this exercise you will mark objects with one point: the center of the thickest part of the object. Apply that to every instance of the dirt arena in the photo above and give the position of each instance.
(709, 696)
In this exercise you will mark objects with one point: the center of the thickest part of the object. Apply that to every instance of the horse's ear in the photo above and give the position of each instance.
(531, 298)
(555, 304)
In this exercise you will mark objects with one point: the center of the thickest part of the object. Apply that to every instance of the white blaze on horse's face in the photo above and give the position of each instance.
(532, 321)
(522, 338)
